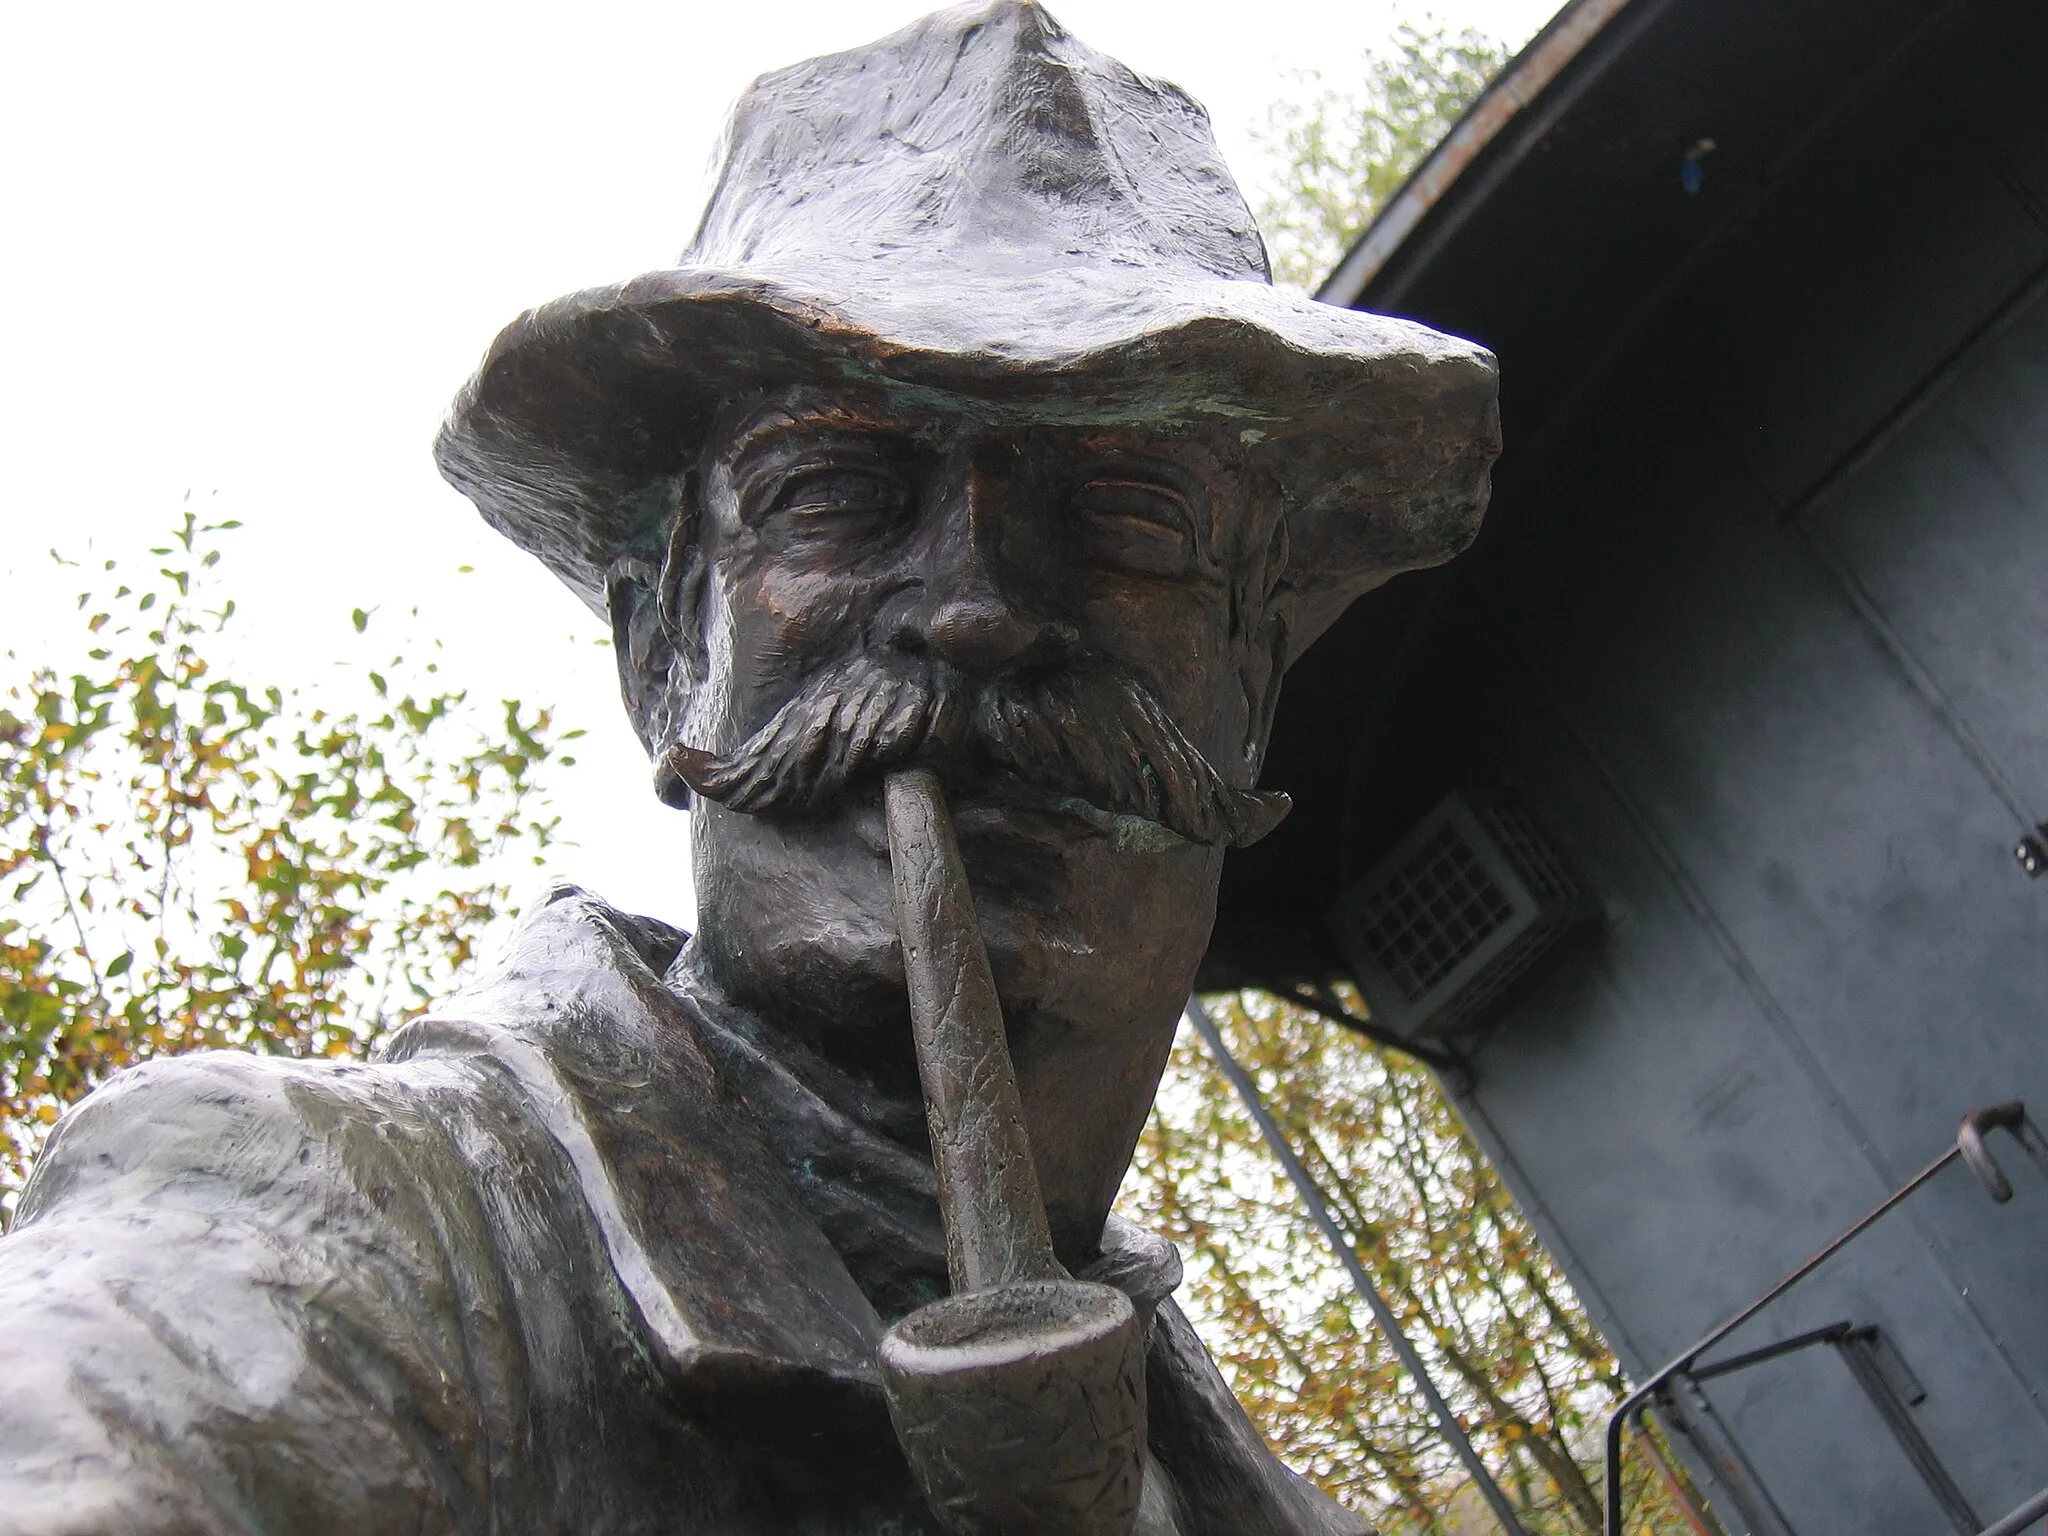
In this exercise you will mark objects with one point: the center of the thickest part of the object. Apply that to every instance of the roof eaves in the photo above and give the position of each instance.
(1523, 84)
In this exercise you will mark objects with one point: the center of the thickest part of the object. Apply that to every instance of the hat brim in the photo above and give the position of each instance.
(1380, 433)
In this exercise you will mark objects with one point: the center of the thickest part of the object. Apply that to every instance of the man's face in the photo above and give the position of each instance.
(1023, 604)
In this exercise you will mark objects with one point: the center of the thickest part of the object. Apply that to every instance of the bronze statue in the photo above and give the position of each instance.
(956, 504)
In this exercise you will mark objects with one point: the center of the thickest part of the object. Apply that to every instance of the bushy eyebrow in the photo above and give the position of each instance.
(771, 429)
(1174, 475)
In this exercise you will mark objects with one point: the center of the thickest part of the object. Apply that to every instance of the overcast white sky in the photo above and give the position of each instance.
(251, 249)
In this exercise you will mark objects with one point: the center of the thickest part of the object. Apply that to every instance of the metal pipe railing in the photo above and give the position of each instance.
(2034, 1509)
(1969, 1147)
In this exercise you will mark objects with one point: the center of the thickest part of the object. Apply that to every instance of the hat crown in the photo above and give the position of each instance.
(983, 136)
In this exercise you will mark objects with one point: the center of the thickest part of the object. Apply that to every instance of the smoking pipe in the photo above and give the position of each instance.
(1019, 1400)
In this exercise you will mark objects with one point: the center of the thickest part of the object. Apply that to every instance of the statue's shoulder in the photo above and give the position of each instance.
(234, 1127)
(225, 1272)
(245, 1126)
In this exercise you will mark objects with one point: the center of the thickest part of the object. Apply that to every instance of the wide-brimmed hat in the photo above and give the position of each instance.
(979, 206)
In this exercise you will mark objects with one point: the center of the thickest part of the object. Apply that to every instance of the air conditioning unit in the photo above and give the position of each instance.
(1462, 910)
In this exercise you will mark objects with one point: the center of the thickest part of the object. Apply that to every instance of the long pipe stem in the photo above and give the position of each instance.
(989, 1198)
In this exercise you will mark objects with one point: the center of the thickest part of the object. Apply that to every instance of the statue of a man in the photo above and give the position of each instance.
(970, 445)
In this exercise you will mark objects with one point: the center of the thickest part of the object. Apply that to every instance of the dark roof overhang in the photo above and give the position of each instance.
(1554, 224)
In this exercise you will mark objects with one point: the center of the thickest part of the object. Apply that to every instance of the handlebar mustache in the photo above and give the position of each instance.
(1091, 733)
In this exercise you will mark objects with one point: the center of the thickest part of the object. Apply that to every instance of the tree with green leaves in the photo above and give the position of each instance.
(1504, 1337)
(1341, 151)
(190, 860)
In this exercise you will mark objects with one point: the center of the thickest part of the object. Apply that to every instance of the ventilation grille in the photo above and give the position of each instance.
(1466, 905)
(1438, 906)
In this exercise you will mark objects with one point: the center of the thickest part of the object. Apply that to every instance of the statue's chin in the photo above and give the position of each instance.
(1080, 936)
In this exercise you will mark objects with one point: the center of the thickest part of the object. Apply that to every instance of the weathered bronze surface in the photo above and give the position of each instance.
(957, 504)
(1019, 1399)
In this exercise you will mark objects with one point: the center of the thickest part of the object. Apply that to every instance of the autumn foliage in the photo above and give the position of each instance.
(190, 861)
(1506, 1340)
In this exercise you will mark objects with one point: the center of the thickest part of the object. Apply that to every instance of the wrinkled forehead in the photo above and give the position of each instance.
(1202, 460)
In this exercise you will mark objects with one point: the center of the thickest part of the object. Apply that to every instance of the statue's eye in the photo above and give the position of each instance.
(1138, 524)
(840, 491)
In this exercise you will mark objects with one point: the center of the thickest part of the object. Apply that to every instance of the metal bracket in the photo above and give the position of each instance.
(2010, 1116)
(1880, 1373)
(1887, 1381)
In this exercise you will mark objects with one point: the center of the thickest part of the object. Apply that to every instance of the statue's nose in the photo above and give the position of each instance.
(978, 611)
(982, 633)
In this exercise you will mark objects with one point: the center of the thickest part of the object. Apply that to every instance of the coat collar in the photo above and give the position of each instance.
(730, 1195)
(732, 1281)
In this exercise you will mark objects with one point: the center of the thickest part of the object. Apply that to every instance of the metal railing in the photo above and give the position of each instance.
(1685, 1369)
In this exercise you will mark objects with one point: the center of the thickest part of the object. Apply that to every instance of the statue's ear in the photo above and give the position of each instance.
(646, 654)
(655, 635)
